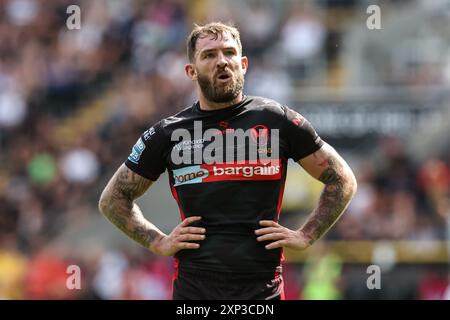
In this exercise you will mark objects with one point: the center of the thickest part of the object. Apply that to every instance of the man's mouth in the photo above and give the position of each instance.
(224, 76)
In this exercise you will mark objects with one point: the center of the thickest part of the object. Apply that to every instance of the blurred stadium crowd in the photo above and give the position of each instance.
(73, 102)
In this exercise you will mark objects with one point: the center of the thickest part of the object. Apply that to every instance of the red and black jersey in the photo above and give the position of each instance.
(234, 194)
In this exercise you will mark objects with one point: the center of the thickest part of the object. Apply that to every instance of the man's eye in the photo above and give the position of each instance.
(229, 53)
(209, 55)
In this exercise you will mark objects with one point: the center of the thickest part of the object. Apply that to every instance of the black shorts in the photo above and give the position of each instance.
(209, 285)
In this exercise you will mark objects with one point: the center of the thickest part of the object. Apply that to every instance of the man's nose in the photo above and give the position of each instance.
(221, 60)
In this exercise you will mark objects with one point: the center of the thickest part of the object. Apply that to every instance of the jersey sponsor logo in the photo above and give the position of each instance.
(218, 146)
(189, 145)
(192, 174)
(149, 133)
(136, 153)
(247, 170)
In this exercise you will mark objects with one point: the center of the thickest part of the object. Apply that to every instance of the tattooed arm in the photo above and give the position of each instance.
(328, 166)
(118, 206)
(339, 188)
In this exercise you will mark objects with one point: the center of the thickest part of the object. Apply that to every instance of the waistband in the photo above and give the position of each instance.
(219, 276)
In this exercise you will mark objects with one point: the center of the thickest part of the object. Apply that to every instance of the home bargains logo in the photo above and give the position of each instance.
(228, 171)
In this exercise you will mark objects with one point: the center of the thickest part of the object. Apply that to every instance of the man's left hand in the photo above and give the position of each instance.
(281, 236)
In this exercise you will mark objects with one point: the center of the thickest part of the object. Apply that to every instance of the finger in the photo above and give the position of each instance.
(268, 223)
(267, 230)
(187, 245)
(189, 220)
(190, 237)
(271, 236)
(186, 230)
(276, 244)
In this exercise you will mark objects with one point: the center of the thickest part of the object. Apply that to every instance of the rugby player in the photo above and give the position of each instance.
(229, 244)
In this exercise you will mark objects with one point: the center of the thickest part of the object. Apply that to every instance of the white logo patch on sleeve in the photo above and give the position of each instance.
(136, 153)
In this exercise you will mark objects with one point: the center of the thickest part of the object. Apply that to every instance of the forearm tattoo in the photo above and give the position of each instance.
(336, 195)
(117, 204)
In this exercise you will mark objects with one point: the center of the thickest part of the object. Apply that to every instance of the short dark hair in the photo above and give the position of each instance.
(214, 29)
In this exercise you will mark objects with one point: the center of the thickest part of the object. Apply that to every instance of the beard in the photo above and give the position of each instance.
(221, 92)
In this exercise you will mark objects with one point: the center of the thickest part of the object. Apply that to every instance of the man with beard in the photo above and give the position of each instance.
(229, 244)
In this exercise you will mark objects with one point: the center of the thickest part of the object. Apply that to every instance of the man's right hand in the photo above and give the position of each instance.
(178, 239)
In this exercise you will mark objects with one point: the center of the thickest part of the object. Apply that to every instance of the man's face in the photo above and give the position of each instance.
(219, 68)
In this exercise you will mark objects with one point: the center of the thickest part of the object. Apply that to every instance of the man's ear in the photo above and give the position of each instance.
(244, 63)
(190, 71)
